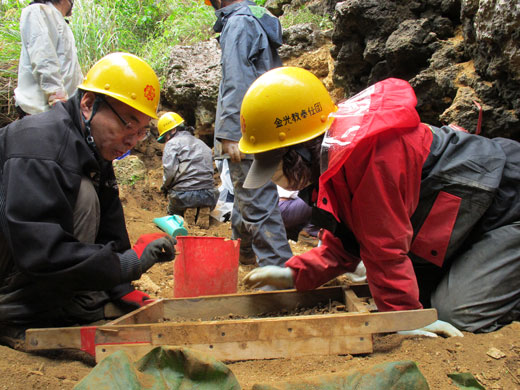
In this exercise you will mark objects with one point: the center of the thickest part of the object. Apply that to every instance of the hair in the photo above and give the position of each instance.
(45, 1)
(300, 167)
(188, 129)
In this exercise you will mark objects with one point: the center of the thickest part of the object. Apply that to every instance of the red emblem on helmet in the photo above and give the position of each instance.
(149, 92)
(242, 124)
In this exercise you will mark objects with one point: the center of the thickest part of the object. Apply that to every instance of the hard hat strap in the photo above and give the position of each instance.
(88, 133)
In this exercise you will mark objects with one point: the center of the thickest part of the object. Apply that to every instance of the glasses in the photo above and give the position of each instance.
(139, 133)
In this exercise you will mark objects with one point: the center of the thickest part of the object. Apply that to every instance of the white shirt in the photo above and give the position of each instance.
(48, 60)
(283, 193)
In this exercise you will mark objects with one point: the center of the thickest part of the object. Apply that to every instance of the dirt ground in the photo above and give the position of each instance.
(435, 357)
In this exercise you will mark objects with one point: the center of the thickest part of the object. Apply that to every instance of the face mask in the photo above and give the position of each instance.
(280, 180)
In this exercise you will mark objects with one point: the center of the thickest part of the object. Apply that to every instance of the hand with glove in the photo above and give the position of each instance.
(231, 148)
(135, 299)
(435, 328)
(154, 248)
(270, 275)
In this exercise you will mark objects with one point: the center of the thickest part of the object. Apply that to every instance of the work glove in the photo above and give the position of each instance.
(435, 328)
(359, 275)
(154, 248)
(231, 148)
(135, 299)
(270, 275)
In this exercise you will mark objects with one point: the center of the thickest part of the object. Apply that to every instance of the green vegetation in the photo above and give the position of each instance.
(147, 28)
(9, 37)
(303, 15)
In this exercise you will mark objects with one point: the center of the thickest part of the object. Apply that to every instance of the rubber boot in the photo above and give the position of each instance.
(247, 258)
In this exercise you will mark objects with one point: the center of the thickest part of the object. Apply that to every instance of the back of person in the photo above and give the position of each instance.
(194, 168)
(48, 60)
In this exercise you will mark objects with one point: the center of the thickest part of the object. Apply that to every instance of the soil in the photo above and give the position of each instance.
(435, 357)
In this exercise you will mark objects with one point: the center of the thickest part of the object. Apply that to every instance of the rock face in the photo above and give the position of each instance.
(191, 88)
(454, 53)
(458, 55)
(194, 74)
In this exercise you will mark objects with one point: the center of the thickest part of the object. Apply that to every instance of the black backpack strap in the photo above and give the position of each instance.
(324, 219)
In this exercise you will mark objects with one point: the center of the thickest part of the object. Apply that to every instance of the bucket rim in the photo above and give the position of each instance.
(206, 238)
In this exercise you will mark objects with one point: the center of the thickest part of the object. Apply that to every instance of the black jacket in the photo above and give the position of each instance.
(42, 160)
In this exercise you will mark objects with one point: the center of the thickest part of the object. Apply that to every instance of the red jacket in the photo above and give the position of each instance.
(375, 149)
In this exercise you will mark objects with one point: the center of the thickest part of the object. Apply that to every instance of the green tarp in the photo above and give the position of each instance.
(466, 381)
(388, 376)
(186, 369)
(160, 369)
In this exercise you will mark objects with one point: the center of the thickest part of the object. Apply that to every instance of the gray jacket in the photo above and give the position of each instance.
(249, 38)
(187, 164)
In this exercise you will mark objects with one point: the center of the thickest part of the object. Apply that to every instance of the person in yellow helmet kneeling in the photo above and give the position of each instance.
(432, 212)
(188, 171)
(64, 248)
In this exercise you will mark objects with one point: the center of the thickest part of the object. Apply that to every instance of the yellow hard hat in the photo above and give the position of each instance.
(127, 78)
(207, 2)
(168, 122)
(283, 107)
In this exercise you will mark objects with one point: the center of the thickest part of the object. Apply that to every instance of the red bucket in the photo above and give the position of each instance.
(205, 266)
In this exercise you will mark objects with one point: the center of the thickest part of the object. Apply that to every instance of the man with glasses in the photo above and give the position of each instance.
(64, 249)
(48, 70)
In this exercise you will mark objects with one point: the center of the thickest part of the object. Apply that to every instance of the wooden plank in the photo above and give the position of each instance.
(291, 328)
(248, 304)
(134, 351)
(251, 350)
(354, 303)
(53, 338)
(149, 314)
(275, 348)
(124, 334)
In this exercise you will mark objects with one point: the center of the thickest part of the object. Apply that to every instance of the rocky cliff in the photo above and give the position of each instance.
(458, 56)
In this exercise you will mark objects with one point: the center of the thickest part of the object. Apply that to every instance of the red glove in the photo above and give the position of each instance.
(136, 299)
(143, 241)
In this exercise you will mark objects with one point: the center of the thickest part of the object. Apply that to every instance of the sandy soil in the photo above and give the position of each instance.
(436, 358)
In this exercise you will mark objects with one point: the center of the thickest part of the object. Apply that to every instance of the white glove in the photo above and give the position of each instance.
(359, 275)
(231, 148)
(435, 328)
(271, 275)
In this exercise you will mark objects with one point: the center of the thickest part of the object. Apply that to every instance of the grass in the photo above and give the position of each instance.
(143, 27)
(303, 15)
(147, 28)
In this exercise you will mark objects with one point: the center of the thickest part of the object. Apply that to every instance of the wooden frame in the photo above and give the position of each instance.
(240, 339)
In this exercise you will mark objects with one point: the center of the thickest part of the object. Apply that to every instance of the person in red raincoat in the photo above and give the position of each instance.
(433, 213)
